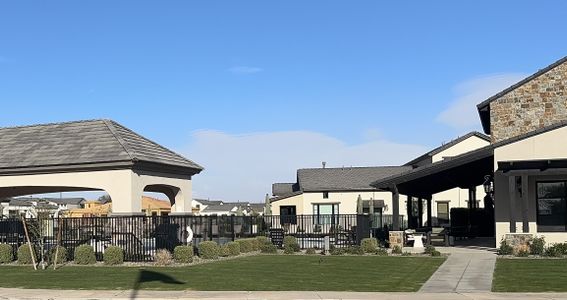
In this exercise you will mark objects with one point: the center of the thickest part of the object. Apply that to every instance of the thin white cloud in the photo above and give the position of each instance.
(243, 167)
(462, 113)
(245, 70)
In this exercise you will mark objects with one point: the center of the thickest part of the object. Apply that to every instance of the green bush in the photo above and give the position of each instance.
(233, 248)
(248, 245)
(505, 249)
(24, 255)
(556, 250)
(84, 255)
(209, 250)
(337, 251)
(183, 254)
(397, 250)
(523, 253)
(113, 255)
(311, 251)
(269, 248)
(369, 245)
(290, 244)
(355, 250)
(61, 255)
(537, 246)
(224, 251)
(381, 252)
(406, 253)
(429, 249)
(435, 253)
(6, 254)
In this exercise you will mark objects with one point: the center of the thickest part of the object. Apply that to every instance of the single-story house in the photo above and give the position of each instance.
(337, 190)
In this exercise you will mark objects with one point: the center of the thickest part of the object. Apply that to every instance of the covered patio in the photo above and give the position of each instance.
(465, 171)
(95, 155)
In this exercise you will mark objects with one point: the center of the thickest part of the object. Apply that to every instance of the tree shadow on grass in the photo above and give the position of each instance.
(150, 276)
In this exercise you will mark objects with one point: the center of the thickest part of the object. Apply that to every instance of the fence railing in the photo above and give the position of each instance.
(141, 236)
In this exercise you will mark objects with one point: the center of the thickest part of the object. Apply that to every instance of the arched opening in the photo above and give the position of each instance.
(54, 201)
(159, 199)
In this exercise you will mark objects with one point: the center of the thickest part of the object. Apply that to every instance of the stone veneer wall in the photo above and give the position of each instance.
(538, 103)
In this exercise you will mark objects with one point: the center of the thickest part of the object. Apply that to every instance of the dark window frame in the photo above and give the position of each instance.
(325, 195)
(537, 198)
(334, 214)
(288, 218)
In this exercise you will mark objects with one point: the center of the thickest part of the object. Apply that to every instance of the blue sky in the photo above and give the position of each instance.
(257, 89)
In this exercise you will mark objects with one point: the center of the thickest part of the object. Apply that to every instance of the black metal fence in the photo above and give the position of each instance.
(141, 236)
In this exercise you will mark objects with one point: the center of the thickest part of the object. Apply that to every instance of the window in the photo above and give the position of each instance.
(442, 212)
(325, 213)
(551, 206)
(288, 214)
(325, 195)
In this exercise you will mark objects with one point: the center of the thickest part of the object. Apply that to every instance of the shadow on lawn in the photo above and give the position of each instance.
(150, 276)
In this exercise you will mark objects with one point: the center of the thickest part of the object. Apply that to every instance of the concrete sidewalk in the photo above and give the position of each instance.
(115, 295)
(465, 271)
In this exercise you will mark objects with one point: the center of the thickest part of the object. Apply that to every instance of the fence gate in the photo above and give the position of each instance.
(362, 228)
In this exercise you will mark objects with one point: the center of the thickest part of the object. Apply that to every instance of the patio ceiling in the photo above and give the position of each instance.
(463, 171)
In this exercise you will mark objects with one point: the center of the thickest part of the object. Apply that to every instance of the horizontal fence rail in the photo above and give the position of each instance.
(141, 236)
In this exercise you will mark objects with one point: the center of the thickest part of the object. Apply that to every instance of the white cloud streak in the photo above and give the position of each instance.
(462, 113)
(245, 70)
(243, 167)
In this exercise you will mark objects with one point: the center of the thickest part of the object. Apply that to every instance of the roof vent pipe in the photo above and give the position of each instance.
(324, 164)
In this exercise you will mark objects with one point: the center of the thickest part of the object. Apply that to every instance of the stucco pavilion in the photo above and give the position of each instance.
(95, 155)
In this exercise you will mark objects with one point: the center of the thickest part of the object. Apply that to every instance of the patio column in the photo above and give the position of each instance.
(396, 208)
(525, 195)
(409, 209)
(429, 212)
(512, 202)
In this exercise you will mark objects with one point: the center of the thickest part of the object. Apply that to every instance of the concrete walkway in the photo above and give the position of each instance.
(115, 295)
(465, 271)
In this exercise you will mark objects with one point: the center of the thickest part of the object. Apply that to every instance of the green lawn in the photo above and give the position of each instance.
(530, 275)
(255, 273)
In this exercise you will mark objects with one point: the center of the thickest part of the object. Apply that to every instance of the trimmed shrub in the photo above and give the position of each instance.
(505, 249)
(381, 252)
(163, 257)
(269, 248)
(113, 255)
(556, 250)
(61, 255)
(233, 248)
(435, 253)
(248, 245)
(406, 253)
(537, 246)
(24, 255)
(429, 249)
(311, 251)
(84, 255)
(183, 254)
(369, 245)
(291, 241)
(209, 250)
(6, 254)
(355, 250)
(336, 251)
(224, 251)
(397, 250)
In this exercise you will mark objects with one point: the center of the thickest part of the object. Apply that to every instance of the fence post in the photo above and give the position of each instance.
(232, 225)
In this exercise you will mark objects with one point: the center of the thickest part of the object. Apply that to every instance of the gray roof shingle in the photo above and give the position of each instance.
(81, 143)
(344, 179)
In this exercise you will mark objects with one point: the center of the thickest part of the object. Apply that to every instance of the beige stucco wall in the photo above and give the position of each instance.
(457, 197)
(125, 187)
(547, 145)
(347, 202)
